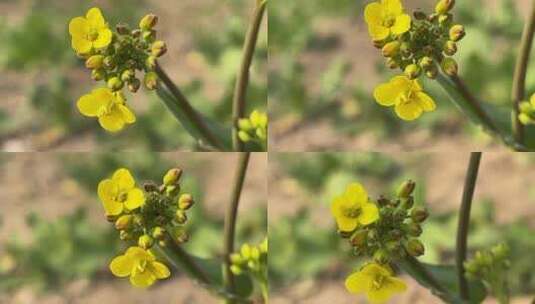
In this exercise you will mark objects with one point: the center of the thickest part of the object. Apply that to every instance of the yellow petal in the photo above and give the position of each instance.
(159, 270)
(95, 18)
(90, 106)
(127, 114)
(370, 214)
(103, 94)
(357, 282)
(124, 179)
(81, 45)
(386, 94)
(139, 254)
(112, 122)
(78, 27)
(346, 224)
(393, 7)
(107, 190)
(135, 199)
(379, 296)
(408, 111)
(104, 38)
(122, 266)
(142, 279)
(355, 193)
(426, 102)
(374, 13)
(378, 32)
(402, 24)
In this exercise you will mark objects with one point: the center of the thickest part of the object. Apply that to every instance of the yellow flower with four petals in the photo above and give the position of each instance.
(386, 17)
(109, 107)
(89, 32)
(376, 281)
(353, 208)
(140, 265)
(120, 193)
(406, 96)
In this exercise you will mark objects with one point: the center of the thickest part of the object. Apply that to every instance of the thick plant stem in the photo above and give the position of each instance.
(230, 222)
(242, 80)
(464, 221)
(188, 109)
(519, 80)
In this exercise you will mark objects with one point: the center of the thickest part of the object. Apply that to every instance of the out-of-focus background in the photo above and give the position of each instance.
(323, 68)
(42, 78)
(309, 261)
(56, 245)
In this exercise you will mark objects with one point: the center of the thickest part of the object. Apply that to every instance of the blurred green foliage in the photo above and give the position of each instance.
(301, 248)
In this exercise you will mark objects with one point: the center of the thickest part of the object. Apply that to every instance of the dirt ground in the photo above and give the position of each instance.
(506, 178)
(36, 182)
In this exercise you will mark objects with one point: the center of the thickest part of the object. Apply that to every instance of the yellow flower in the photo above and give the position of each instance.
(140, 265)
(120, 192)
(353, 208)
(89, 32)
(376, 281)
(386, 17)
(109, 107)
(406, 95)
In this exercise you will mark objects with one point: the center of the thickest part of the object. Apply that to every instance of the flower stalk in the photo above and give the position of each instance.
(242, 81)
(230, 223)
(464, 221)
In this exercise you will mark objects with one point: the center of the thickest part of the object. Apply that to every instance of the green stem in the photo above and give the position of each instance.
(180, 259)
(188, 109)
(242, 81)
(464, 221)
(519, 80)
(230, 223)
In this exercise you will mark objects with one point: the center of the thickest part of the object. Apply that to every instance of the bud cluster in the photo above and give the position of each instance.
(527, 111)
(430, 43)
(488, 263)
(130, 51)
(250, 258)
(254, 128)
(161, 218)
(395, 234)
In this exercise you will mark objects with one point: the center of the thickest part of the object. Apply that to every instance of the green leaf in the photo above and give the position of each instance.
(223, 134)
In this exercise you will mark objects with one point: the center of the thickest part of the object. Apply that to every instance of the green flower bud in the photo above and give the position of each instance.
(432, 72)
(405, 49)
(180, 216)
(145, 241)
(415, 248)
(185, 201)
(471, 267)
(378, 43)
(158, 48)
(450, 67)
(136, 33)
(148, 22)
(150, 63)
(244, 136)
(123, 235)
(158, 233)
(445, 19)
(236, 259)
(419, 214)
(235, 269)
(115, 84)
(98, 74)
(500, 251)
(450, 48)
(133, 85)
(94, 62)
(150, 187)
(123, 222)
(391, 49)
(181, 236)
(407, 203)
(359, 238)
(414, 229)
(406, 188)
(381, 256)
(264, 246)
(525, 107)
(457, 32)
(419, 15)
(127, 75)
(383, 201)
(172, 176)
(444, 6)
(245, 251)
(412, 71)
(172, 190)
(426, 63)
(525, 119)
(109, 62)
(151, 80)
(391, 63)
(149, 36)
(122, 28)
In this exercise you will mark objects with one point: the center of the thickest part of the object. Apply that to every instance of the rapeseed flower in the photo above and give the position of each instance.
(140, 265)
(353, 208)
(108, 107)
(376, 281)
(89, 32)
(120, 193)
(386, 17)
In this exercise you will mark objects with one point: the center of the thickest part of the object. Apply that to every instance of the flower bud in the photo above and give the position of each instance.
(151, 80)
(122, 28)
(405, 49)
(412, 71)
(381, 256)
(457, 32)
(109, 62)
(406, 188)
(426, 63)
(471, 267)
(414, 229)
(158, 233)
(115, 84)
(123, 222)
(419, 214)
(185, 201)
(419, 15)
(391, 63)
(172, 176)
(94, 62)
(145, 241)
(148, 22)
(123, 235)
(378, 44)
(158, 48)
(525, 119)
(449, 66)
(150, 62)
(150, 187)
(264, 246)
(444, 6)
(432, 72)
(172, 190)
(445, 19)
(98, 74)
(383, 201)
(359, 238)
(136, 33)
(181, 236)
(180, 216)
(391, 49)
(525, 107)
(244, 136)
(500, 251)
(127, 75)
(133, 85)
(149, 36)
(415, 248)
(235, 269)
(407, 203)
(450, 48)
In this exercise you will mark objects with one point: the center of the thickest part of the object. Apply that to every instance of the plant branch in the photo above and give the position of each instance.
(242, 80)
(230, 222)
(519, 80)
(464, 221)
(188, 109)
